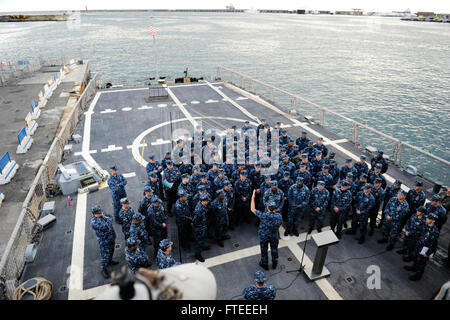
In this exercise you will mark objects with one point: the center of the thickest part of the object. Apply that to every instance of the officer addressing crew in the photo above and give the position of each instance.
(270, 222)
(101, 223)
(396, 209)
(319, 201)
(274, 194)
(135, 256)
(298, 198)
(116, 183)
(260, 290)
(164, 259)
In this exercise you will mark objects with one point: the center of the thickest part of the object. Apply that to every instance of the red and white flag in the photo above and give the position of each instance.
(153, 30)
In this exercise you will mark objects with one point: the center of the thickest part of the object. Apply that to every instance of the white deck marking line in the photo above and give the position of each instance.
(129, 175)
(182, 108)
(285, 126)
(241, 98)
(127, 109)
(183, 104)
(145, 108)
(305, 126)
(140, 145)
(211, 101)
(159, 142)
(336, 141)
(243, 110)
(195, 102)
(108, 111)
(111, 147)
(162, 105)
(77, 264)
(81, 153)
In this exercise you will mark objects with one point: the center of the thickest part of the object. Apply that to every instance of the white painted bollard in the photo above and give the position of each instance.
(42, 101)
(8, 168)
(36, 112)
(30, 124)
(47, 92)
(25, 141)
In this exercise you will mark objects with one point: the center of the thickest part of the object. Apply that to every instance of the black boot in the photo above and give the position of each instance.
(415, 277)
(390, 247)
(113, 263)
(220, 243)
(401, 251)
(264, 266)
(274, 264)
(410, 268)
(199, 258)
(319, 230)
(296, 232)
(361, 240)
(383, 240)
(105, 273)
(310, 230)
(407, 259)
(338, 235)
(206, 247)
(286, 233)
(350, 231)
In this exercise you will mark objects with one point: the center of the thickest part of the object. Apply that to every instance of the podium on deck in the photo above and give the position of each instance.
(322, 240)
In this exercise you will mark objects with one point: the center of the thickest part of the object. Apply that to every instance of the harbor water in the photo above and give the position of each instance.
(389, 74)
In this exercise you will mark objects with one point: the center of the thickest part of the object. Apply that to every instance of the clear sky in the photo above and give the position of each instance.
(442, 6)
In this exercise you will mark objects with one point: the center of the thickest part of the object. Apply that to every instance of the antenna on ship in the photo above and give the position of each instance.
(154, 33)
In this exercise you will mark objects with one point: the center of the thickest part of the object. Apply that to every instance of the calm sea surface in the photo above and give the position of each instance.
(390, 74)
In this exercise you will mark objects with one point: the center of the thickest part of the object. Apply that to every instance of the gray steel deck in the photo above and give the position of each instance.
(116, 120)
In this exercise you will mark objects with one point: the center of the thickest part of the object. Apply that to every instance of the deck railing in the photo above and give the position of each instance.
(13, 258)
(402, 153)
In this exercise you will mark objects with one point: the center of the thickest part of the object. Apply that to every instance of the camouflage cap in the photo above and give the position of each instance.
(320, 183)
(260, 276)
(148, 189)
(274, 183)
(124, 201)
(435, 197)
(138, 216)
(422, 209)
(165, 243)
(432, 216)
(299, 180)
(131, 241)
(96, 209)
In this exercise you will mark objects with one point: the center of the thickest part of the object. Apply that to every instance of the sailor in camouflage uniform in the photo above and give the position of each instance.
(415, 198)
(435, 206)
(183, 219)
(302, 141)
(274, 194)
(126, 216)
(364, 203)
(117, 183)
(170, 185)
(158, 222)
(153, 166)
(361, 166)
(425, 248)
(396, 209)
(220, 208)
(164, 259)
(284, 186)
(341, 203)
(243, 193)
(413, 229)
(260, 290)
(319, 201)
(378, 194)
(138, 230)
(199, 225)
(298, 198)
(135, 256)
(101, 223)
(270, 222)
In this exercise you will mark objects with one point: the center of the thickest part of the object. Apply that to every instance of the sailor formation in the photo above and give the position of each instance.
(214, 192)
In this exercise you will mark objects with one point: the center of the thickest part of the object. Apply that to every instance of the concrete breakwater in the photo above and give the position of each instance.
(33, 17)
